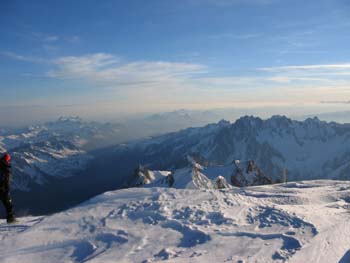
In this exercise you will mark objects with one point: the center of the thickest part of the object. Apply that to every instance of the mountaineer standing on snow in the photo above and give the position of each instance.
(5, 177)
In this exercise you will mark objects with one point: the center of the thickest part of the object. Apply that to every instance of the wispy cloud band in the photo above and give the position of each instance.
(309, 67)
(106, 68)
(175, 83)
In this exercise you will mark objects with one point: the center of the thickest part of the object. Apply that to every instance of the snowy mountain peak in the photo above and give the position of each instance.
(249, 121)
(193, 163)
(315, 122)
(248, 173)
(279, 121)
(241, 174)
(223, 123)
(70, 119)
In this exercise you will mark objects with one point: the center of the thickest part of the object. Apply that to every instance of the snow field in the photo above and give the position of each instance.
(294, 222)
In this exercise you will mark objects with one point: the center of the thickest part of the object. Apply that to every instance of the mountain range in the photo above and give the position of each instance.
(54, 149)
(310, 149)
(71, 160)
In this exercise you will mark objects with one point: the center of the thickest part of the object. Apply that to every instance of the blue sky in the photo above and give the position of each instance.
(99, 58)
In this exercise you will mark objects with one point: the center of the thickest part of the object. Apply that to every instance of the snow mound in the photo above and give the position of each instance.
(303, 222)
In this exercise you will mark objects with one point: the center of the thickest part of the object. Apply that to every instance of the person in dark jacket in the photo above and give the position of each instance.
(5, 177)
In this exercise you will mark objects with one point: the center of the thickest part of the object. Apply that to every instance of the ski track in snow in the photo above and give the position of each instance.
(295, 222)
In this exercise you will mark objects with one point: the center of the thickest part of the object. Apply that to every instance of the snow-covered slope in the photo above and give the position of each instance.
(52, 150)
(293, 222)
(73, 129)
(38, 162)
(310, 149)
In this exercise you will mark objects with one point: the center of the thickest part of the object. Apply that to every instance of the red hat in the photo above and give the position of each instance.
(7, 157)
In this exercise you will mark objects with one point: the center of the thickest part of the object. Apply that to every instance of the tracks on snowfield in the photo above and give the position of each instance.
(210, 216)
(18, 227)
(280, 223)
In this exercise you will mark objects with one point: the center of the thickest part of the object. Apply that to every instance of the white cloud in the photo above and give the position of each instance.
(288, 79)
(309, 67)
(110, 70)
(159, 85)
(332, 74)
(152, 84)
(19, 57)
